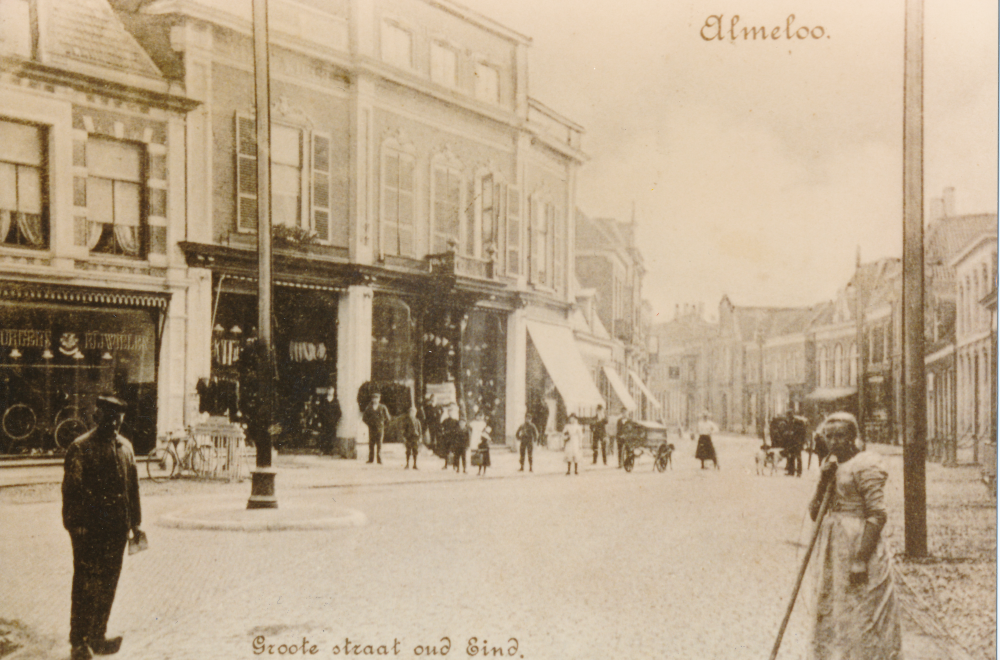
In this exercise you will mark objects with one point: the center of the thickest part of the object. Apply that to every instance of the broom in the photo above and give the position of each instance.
(805, 562)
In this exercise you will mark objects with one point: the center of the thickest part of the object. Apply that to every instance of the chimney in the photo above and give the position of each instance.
(949, 202)
(937, 209)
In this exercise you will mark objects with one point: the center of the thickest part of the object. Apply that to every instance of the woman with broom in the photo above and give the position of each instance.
(855, 608)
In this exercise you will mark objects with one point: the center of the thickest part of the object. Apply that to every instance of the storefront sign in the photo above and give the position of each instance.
(25, 338)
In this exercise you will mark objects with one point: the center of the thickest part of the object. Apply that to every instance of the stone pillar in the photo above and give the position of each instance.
(354, 364)
(517, 355)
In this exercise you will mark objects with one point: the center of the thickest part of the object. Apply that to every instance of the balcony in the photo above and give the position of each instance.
(450, 264)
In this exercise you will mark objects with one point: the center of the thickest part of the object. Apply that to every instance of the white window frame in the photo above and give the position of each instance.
(405, 153)
(390, 49)
(315, 207)
(482, 90)
(140, 182)
(440, 45)
(13, 217)
(451, 167)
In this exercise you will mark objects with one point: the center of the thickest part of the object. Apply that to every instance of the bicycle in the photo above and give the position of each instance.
(171, 460)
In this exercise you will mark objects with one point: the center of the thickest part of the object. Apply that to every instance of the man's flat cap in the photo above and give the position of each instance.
(112, 403)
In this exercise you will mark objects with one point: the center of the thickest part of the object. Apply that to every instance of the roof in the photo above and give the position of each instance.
(948, 236)
(683, 330)
(90, 32)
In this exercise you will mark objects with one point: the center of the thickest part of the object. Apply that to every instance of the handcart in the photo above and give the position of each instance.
(646, 437)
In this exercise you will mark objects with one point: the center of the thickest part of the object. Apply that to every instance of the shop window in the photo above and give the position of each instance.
(397, 45)
(487, 83)
(397, 203)
(513, 231)
(296, 157)
(114, 197)
(447, 192)
(23, 204)
(444, 64)
(15, 27)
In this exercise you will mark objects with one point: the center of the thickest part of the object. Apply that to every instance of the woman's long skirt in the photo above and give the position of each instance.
(705, 450)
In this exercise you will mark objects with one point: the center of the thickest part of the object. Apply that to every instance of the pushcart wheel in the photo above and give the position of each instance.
(161, 464)
(629, 463)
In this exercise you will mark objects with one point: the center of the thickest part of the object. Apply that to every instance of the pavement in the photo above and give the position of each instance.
(689, 563)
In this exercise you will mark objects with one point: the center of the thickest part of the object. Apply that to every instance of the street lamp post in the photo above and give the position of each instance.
(262, 487)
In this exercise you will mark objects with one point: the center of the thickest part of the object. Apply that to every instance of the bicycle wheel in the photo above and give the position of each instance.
(629, 462)
(161, 464)
(661, 461)
(67, 431)
(203, 461)
(19, 421)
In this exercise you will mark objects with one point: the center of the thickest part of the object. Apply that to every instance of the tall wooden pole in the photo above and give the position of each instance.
(914, 385)
(262, 487)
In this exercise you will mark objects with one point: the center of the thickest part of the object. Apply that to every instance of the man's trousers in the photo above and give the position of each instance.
(97, 564)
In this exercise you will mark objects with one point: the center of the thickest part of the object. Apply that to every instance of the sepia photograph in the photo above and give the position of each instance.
(531, 329)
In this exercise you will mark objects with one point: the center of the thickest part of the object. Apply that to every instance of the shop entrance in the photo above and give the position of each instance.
(305, 347)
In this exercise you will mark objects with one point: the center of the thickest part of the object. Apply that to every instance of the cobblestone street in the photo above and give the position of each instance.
(690, 563)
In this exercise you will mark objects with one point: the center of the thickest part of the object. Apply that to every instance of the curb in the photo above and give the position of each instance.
(292, 516)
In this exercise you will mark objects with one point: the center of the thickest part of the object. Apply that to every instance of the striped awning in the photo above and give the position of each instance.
(31, 291)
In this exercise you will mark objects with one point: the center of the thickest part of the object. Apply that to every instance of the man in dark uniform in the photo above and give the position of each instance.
(795, 440)
(599, 434)
(100, 508)
(328, 415)
(375, 417)
(621, 428)
(453, 436)
(527, 436)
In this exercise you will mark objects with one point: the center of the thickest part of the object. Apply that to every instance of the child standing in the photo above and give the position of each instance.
(484, 453)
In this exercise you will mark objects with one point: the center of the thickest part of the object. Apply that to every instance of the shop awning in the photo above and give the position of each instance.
(620, 388)
(645, 390)
(830, 393)
(30, 291)
(557, 348)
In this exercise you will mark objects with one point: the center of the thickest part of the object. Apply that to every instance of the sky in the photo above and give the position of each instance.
(759, 167)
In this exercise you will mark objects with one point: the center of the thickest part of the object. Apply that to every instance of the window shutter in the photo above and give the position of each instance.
(246, 173)
(470, 218)
(533, 256)
(513, 231)
(558, 247)
(321, 185)
(500, 225)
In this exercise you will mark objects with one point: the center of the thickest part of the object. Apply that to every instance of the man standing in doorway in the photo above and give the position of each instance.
(375, 417)
(100, 494)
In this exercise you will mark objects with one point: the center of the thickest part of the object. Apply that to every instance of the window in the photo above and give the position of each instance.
(838, 365)
(513, 232)
(823, 367)
(15, 27)
(538, 237)
(487, 83)
(301, 165)
(23, 207)
(489, 196)
(397, 45)
(114, 197)
(447, 192)
(444, 64)
(397, 203)
(286, 176)
(556, 222)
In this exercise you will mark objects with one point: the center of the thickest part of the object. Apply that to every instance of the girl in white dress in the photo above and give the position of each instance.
(573, 449)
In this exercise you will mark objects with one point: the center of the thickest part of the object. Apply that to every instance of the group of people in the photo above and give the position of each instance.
(854, 610)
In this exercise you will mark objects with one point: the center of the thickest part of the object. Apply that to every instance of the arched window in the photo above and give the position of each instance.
(838, 365)
(823, 367)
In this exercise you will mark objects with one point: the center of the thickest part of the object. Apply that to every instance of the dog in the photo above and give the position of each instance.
(767, 457)
(668, 451)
